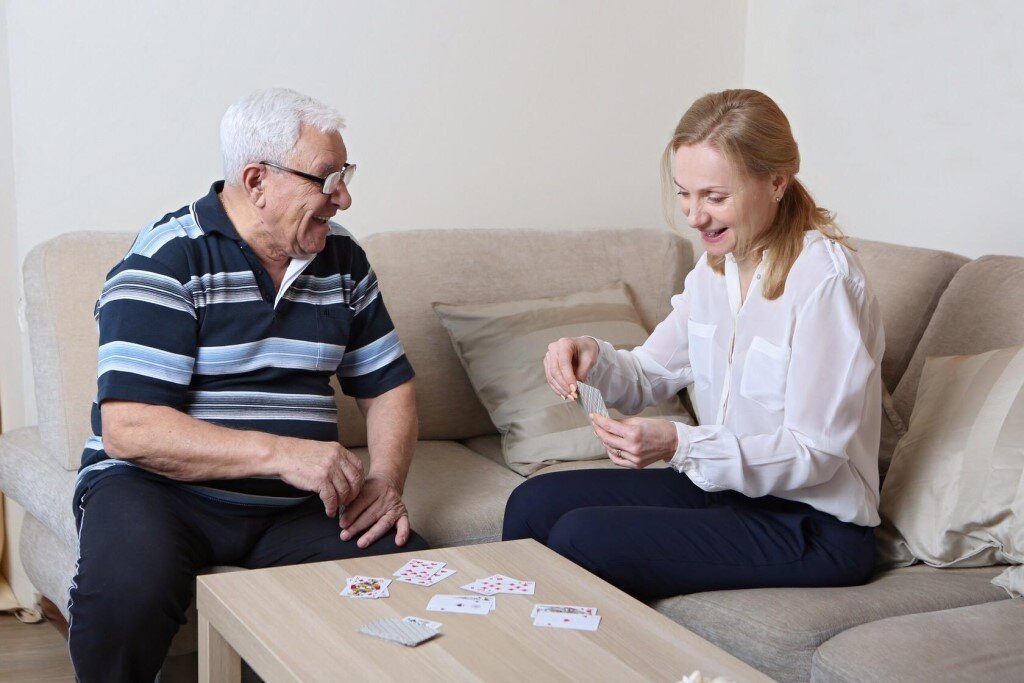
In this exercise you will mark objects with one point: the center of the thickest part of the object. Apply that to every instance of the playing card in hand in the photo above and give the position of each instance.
(590, 400)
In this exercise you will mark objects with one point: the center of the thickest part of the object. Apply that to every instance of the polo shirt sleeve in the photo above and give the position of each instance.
(148, 331)
(374, 360)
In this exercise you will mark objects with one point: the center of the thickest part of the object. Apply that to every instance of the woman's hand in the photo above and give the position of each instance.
(567, 361)
(636, 442)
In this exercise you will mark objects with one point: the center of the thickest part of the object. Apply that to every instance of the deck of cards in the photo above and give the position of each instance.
(366, 587)
(499, 583)
(423, 572)
(591, 400)
(566, 616)
(400, 631)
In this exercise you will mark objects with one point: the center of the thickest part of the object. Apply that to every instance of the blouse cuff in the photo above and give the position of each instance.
(681, 461)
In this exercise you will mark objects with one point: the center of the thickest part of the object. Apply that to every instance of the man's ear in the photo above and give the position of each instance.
(253, 177)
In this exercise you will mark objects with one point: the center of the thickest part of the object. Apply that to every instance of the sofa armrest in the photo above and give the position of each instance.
(30, 476)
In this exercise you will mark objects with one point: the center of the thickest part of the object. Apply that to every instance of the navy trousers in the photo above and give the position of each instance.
(653, 533)
(141, 543)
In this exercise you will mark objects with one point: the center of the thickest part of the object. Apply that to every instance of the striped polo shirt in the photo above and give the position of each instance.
(190, 319)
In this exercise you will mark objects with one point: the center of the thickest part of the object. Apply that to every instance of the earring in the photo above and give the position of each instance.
(778, 199)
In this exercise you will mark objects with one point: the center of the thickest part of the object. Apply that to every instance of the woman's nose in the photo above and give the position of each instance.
(696, 216)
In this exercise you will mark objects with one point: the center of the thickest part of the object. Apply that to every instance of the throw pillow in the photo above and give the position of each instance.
(954, 494)
(502, 347)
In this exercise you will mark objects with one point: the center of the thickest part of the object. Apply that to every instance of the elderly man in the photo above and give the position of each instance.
(215, 437)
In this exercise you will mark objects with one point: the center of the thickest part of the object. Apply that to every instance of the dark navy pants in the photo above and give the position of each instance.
(653, 533)
(142, 542)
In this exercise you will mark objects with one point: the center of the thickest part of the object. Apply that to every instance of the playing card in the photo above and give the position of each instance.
(460, 604)
(590, 400)
(423, 622)
(420, 569)
(577, 622)
(399, 631)
(563, 609)
(367, 587)
(499, 583)
(441, 575)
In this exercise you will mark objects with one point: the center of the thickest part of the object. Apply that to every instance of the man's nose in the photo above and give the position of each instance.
(341, 197)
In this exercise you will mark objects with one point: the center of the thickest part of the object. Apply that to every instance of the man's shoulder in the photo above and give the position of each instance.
(165, 244)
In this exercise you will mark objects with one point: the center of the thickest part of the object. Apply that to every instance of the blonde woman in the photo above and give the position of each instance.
(781, 339)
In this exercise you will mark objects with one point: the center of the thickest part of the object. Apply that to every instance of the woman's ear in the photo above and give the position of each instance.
(779, 184)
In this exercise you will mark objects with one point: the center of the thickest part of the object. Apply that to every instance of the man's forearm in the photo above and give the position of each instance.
(169, 442)
(391, 430)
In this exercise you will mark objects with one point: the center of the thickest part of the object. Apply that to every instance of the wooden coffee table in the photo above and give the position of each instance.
(290, 624)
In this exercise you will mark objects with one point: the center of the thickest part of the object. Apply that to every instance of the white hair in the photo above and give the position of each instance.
(265, 125)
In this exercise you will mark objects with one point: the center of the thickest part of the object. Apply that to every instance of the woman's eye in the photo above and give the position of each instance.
(715, 199)
(683, 194)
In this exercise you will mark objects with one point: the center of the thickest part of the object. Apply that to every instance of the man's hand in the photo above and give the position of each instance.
(326, 468)
(636, 442)
(376, 509)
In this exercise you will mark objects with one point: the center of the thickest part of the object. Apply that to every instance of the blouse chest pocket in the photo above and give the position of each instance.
(764, 374)
(701, 340)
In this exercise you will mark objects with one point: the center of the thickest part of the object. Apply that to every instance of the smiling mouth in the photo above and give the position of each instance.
(322, 219)
(712, 234)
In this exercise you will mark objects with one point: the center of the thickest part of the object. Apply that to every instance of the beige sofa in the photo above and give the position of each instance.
(916, 622)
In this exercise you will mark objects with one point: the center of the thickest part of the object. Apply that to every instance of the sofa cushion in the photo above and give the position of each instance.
(37, 483)
(953, 492)
(502, 345)
(977, 643)
(908, 282)
(455, 496)
(777, 630)
(981, 310)
(419, 267)
(488, 446)
(63, 278)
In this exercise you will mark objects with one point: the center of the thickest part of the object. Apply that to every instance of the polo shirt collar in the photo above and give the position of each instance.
(210, 214)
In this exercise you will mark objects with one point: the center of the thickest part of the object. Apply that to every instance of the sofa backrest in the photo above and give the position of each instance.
(981, 310)
(908, 282)
(418, 268)
(64, 276)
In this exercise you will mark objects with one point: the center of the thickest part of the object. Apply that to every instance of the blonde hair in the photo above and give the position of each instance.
(752, 133)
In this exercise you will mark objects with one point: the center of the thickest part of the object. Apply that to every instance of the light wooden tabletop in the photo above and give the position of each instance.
(291, 624)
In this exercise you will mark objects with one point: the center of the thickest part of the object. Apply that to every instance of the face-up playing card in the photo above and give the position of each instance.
(419, 569)
(423, 622)
(499, 583)
(441, 575)
(563, 609)
(590, 400)
(460, 604)
(366, 587)
(576, 622)
(399, 631)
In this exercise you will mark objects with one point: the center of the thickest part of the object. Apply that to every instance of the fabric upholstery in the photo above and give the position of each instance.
(488, 446)
(777, 629)
(955, 491)
(419, 267)
(502, 346)
(37, 483)
(908, 282)
(981, 310)
(63, 278)
(977, 643)
(455, 496)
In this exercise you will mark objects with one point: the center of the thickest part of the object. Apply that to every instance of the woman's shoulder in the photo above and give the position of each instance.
(823, 259)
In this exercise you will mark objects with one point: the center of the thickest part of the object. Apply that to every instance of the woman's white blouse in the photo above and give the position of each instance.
(787, 392)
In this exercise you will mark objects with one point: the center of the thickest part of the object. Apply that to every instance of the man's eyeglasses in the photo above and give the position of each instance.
(327, 185)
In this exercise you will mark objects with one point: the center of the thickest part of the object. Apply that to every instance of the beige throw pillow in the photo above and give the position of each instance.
(954, 494)
(502, 348)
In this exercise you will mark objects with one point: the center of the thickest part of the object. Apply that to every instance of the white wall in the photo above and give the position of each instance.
(461, 113)
(909, 115)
